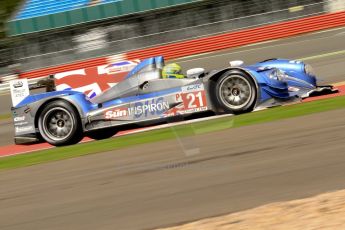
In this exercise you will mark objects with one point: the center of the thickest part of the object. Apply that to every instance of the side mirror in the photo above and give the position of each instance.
(236, 63)
(195, 73)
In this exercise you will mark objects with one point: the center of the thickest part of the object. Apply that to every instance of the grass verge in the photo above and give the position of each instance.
(269, 115)
(5, 116)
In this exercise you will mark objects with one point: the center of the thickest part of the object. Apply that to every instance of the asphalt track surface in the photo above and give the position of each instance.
(322, 48)
(161, 184)
(164, 184)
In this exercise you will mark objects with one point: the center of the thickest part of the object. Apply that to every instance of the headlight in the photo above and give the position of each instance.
(309, 70)
(277, 75)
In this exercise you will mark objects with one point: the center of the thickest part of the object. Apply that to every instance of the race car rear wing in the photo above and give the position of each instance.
(20, 88)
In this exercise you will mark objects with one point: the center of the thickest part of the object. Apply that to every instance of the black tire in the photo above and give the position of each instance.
(236, 92)
(59, 124)
(101, 134)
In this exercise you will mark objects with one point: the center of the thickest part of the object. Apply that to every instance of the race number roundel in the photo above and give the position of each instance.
(194, 99)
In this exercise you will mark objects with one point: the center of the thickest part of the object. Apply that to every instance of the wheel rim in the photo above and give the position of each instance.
(235, 91)
(58, 123)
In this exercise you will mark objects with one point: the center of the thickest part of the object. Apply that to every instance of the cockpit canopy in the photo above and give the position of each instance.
(147, 70)
(154, 63)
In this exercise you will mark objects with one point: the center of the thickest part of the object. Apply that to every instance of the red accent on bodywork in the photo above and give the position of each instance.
(91, 76)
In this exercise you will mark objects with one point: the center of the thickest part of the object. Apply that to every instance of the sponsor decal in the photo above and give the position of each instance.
(18, 84)
(17, 119)
(124, 66)
(155, 106)
(116, 113)
(19, 90)
(21, 123)
(22, 129)
(150, 107)
(191, 88)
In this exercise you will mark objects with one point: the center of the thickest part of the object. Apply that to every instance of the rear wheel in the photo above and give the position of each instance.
(101, 134)
(59, 124)
(236, 92)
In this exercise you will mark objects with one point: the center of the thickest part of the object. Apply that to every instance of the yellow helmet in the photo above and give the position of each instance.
(172, 71)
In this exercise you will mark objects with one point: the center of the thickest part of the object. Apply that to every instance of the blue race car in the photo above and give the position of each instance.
(145, 97)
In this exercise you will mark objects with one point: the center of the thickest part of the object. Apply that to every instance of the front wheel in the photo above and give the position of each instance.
(59, 124)
(236, 92)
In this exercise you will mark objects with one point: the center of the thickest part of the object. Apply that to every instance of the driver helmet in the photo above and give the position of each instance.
(172, 71)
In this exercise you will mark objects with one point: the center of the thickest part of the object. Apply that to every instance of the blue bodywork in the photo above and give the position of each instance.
(292, 82)
(269, 86)
(263, 73)
(83, 103)
(277, 81)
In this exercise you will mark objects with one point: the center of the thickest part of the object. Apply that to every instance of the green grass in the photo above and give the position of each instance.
(173, 132)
